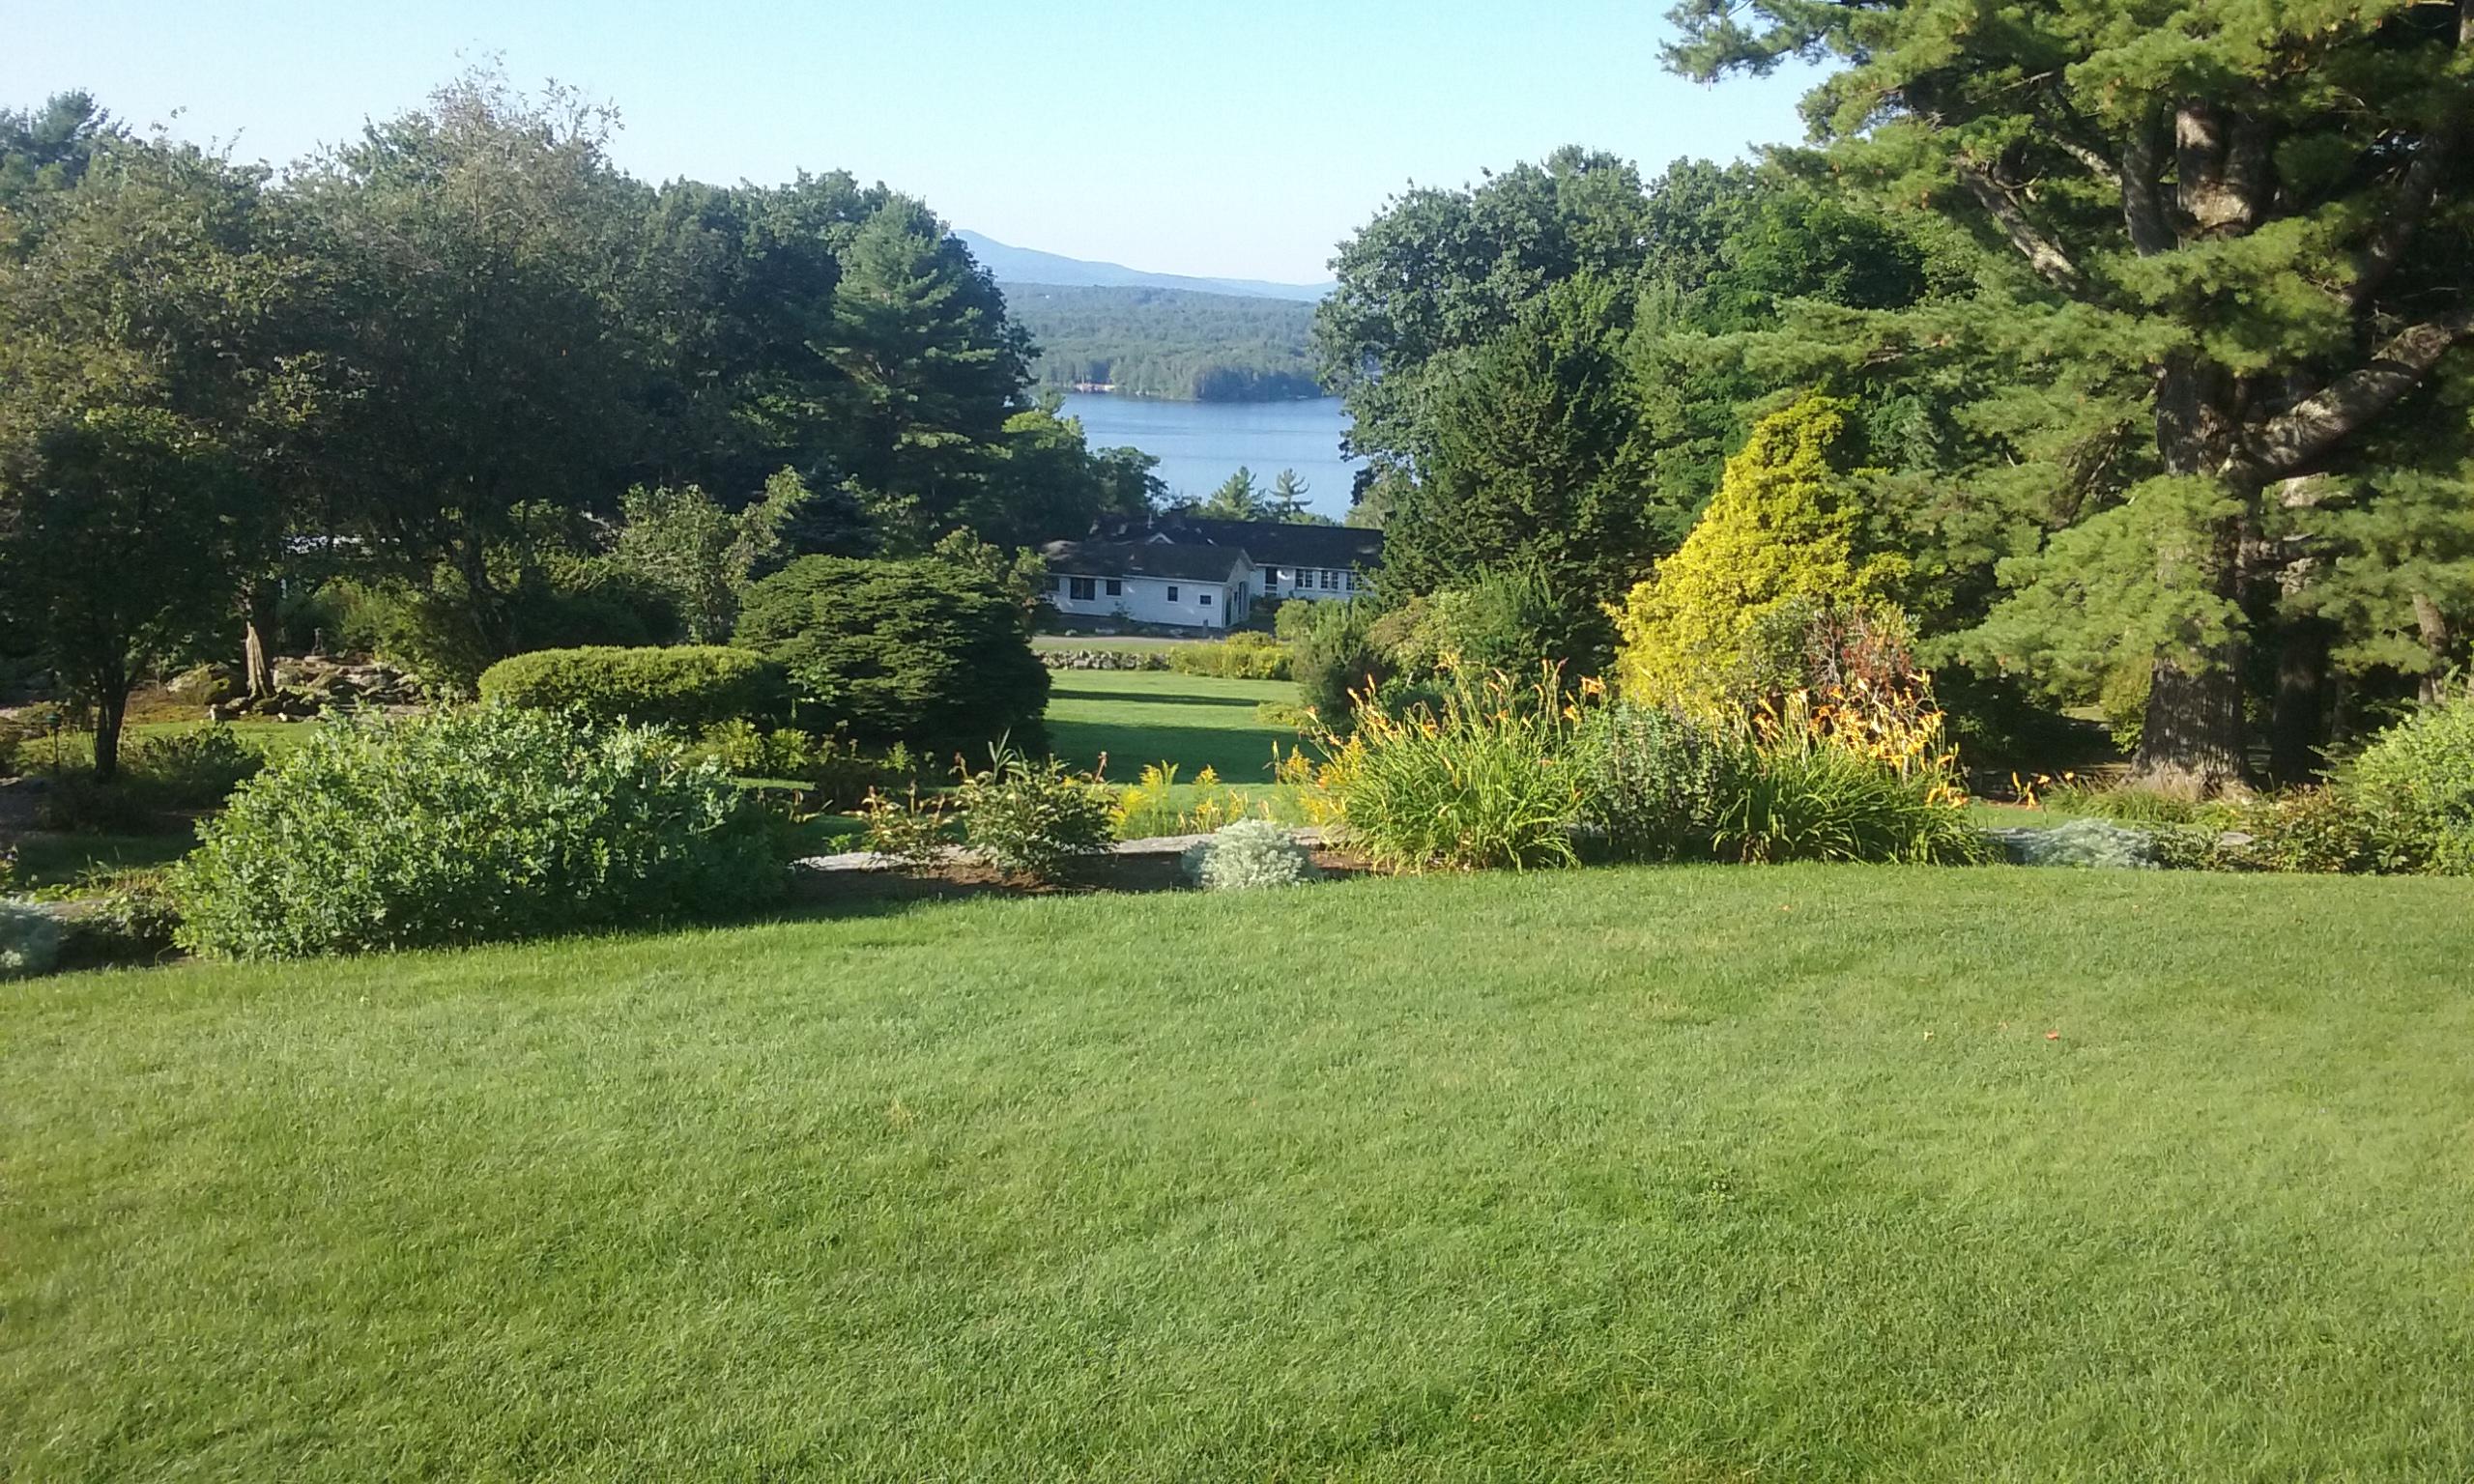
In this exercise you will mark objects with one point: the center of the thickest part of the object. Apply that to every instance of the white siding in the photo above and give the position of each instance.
(1147, 600)
(1314, 583)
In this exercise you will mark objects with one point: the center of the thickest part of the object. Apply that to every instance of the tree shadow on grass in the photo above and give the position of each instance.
(1167, 698)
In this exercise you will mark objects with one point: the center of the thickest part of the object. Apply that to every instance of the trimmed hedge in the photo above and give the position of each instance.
(919, 651)
(689, 687)
(1245, 655)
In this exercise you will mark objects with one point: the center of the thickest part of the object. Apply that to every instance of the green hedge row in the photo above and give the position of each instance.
(689, 687)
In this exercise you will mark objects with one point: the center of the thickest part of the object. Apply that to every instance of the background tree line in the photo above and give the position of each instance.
(463, 387)
(1171, 343)
(2143, 326)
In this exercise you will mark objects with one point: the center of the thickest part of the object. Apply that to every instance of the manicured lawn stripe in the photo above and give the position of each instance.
(1697, 1173)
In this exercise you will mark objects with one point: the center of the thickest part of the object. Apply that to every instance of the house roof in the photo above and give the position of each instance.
(1177, 560)
(1270, 543)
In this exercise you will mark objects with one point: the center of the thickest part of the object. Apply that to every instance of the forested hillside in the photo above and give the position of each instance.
(1170, 343)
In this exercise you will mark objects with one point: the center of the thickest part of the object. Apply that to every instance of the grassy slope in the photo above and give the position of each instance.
(1138, 717)
(1698, 1174)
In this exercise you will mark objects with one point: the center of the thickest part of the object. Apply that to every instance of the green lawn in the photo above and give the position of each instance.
(1699, 1173)
(1138, 717)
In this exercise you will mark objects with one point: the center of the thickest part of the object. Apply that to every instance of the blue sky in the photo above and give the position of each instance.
(1177, 135)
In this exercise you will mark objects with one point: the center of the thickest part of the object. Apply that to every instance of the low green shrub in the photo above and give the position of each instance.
(465, 826)
(910, 828)
(690, 687)
(124, 917)
(1655, 780)
(29, 940)
(159, 774)
(832, 768)
(1034, 819)
(1480, 782)
(1245, 655)
(1249, 854)
(2414, 787)
(193, 769)
(1333, 656)
(79, 803)
(2316, 831)
(1283, 713)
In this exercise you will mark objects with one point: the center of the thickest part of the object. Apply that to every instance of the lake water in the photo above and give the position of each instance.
(1199, 445)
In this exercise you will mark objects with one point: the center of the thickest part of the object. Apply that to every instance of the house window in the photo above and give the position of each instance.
(1173, 593)
(1203, 598)
(1116, 588)
(1270, 578)
(1080, 590)
(1331, 579)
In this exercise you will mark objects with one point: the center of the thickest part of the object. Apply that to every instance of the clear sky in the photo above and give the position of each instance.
(1193, 136)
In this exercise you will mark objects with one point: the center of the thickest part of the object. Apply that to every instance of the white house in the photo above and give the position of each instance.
(1292, 560)
(1190, 586)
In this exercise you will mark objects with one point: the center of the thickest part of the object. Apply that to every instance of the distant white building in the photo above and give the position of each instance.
(1141, 582)
(1193, 573)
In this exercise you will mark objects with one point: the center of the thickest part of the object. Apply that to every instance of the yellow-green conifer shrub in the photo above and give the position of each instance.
(1781, 528)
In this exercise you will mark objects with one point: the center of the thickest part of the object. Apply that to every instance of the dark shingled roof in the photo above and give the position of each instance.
(1271, 543)
(1178, 561)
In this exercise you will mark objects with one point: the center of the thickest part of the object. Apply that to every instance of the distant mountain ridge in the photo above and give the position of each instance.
(1009, 264)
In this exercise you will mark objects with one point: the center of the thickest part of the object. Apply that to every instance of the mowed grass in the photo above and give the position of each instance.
(1139, 717)
(1708, 1173)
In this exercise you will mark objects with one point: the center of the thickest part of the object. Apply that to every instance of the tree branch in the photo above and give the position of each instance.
(2418, 189)
(2144, 191)
(2041, 252)
(2289, 443)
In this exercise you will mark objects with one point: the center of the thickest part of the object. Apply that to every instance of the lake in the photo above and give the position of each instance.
(1199, 445)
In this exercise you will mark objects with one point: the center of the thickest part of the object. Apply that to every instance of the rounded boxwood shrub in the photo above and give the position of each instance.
(686, 686)
(463, 826)
(924, 652)
(2413, 789)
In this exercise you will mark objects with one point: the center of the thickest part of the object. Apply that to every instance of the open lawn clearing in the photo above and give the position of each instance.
(1694, 1173)
(1145, 715)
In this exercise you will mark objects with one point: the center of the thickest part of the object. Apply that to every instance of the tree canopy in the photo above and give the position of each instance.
(416, 377)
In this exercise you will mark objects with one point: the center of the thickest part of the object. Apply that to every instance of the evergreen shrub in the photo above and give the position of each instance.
(930, 653)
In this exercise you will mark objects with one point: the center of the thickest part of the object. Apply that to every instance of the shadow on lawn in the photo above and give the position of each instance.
(1137, 698)
(839, 893)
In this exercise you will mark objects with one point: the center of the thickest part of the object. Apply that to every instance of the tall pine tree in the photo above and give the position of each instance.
(2261, 210)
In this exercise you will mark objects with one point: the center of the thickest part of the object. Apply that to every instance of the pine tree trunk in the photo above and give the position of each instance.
(2300, 725)
(111, 705)
(2194, 741)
